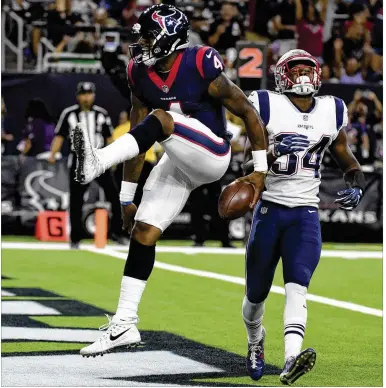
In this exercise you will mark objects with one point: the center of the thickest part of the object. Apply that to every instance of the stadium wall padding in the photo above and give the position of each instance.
(32, 185)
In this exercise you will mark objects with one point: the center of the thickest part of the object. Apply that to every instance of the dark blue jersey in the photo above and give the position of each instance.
(185, 90)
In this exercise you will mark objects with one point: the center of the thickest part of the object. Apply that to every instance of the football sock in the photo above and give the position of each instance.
(129, 298)
(253, 317)
(139, 140)
(138, 267)
(140, 260)
(295, 318)
(124, 148)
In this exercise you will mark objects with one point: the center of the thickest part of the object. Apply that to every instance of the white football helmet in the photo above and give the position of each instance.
(298, 72)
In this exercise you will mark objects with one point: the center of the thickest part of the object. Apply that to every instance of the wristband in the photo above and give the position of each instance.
(260, 161)
(127, 193)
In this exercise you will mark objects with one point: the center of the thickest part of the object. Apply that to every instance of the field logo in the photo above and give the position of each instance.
(163, 359)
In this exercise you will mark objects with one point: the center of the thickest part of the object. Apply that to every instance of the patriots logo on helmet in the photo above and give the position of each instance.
(168, 23)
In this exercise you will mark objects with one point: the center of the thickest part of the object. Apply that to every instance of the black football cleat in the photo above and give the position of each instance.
(255, 359)
(296, 367)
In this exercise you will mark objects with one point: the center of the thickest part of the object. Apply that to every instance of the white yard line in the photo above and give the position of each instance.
(239, 280)
(110, 251)
(345, 254)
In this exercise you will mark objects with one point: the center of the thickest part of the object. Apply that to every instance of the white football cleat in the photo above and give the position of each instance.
(89, 164)
(117, 335)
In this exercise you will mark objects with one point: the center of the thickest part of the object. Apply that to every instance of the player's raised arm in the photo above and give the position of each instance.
(132, 168)
(353, 175)
(233, 99)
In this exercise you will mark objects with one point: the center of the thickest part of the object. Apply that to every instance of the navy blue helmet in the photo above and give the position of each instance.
(162, 29)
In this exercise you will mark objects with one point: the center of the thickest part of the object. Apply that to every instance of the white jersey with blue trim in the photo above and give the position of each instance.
(293, 180)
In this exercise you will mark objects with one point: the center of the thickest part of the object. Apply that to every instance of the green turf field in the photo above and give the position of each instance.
(191, 326)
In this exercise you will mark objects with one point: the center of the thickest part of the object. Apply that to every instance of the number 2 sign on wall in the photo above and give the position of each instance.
(252, 67)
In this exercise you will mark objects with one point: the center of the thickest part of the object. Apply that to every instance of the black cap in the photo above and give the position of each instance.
(85, 87)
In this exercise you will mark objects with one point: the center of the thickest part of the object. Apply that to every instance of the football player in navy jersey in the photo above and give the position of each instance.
(179, 95)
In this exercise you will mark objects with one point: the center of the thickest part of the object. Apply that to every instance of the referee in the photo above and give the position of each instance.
(100, 131)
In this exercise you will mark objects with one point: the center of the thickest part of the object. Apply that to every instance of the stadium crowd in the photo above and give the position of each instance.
(345, 35)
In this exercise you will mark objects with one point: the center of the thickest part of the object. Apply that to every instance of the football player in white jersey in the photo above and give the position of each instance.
(285, 224)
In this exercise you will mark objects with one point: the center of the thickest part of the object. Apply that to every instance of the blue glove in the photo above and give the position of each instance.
(349, 199)
(291, 144)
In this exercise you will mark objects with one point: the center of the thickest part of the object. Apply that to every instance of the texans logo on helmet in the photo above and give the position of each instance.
(168, 23)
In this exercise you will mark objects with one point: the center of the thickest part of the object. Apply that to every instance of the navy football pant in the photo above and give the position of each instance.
(279, 231)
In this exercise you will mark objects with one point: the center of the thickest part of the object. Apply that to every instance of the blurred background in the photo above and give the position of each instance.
(48, 47)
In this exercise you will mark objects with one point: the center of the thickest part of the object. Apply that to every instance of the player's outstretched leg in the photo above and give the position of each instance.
(92, 162)
(121, 330)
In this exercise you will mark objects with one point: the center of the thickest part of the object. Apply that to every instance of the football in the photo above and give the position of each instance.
(235, 199)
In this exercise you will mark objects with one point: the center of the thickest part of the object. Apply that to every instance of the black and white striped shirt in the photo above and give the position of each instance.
(96, 119)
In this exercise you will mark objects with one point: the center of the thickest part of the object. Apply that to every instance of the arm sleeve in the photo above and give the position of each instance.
(209, 63)
(62, 128)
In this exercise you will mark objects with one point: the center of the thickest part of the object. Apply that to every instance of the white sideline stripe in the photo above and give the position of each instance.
(26, 307)
(206, 274)
(241, 281)
(49, 334)
(350, 255)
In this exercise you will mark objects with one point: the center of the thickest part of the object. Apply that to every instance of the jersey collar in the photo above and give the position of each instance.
(166, 85)
(309, 110)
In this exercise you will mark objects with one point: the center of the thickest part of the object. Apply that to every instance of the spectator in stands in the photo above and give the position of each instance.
(102, 18)
(227, 29)
(81, 43)
(327, 74)
(59, 22)
(197, 22)
(129, 14)
(39, 132)
(351, 73)
(261, 11)
(357, 133)
(6, 136)
(19, 5)
(365, 116)
(310, 25)
(376, 64)
(284, 23)
(356, 41)
(83, 8)
(374, 6)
